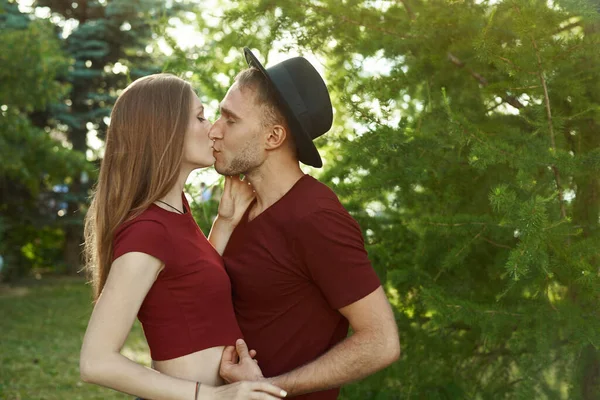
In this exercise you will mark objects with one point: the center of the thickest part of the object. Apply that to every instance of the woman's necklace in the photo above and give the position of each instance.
(168, 205)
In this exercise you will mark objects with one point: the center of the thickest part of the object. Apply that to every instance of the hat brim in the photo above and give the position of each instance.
(307, 151)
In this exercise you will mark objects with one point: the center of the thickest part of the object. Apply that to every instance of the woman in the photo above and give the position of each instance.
(149, 258)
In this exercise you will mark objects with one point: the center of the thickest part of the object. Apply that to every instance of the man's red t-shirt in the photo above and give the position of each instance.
(291, 268)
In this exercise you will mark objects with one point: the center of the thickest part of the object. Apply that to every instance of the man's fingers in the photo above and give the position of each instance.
(253, 353)
(242, 349)
(228, 355)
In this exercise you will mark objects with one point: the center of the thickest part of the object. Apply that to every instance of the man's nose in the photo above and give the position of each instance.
(214, 132)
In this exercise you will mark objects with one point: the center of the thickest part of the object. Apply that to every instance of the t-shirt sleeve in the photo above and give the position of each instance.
(331, 245)
(149, 237)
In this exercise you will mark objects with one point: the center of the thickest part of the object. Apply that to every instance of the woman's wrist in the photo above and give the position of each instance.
(196, 392)
(205, 392)
(228, 223)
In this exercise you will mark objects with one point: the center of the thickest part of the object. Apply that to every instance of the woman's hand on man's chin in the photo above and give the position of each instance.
(237, 196)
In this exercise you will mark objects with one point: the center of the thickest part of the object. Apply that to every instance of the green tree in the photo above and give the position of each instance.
(32, 159)
(111, 43)
(204, 212)
(466, 144)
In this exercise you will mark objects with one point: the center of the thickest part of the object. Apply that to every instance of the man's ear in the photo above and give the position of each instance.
(276, 137)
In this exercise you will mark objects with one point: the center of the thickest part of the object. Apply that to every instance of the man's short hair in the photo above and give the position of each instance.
(252, 78)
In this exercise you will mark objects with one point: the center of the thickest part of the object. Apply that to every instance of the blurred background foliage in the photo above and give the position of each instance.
(466, 142)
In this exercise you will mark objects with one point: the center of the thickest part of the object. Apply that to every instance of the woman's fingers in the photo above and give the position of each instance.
(267, 388)
(263, 396)
(227, 187)
(247, 390)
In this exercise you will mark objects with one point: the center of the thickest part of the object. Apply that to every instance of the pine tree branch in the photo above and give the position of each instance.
(490, 312)
(542, 78)
(525, 87)
(555, 225)
(567, 53)
(512, 100)
(546, 97)
(493, 108)
(563, 211)
(409, 11)
(471, 241)
(456, 61)
(441, 271)
(544, 365)
(484, 143)
(503, 352)
(461, 224)
(496, 244)
(567, 27)
(354, 22)
(510, 62)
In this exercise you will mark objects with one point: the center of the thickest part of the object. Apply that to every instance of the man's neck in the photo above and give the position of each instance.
(271, 182)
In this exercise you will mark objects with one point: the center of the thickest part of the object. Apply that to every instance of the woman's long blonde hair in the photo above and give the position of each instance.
(142, 161)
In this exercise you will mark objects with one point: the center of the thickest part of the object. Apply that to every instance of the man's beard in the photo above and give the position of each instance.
(236, 167)
(243, 163)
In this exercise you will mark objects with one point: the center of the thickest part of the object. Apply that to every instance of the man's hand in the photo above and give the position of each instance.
(238, 364)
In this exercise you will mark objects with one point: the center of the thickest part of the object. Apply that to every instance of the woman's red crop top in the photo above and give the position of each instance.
(189, 306)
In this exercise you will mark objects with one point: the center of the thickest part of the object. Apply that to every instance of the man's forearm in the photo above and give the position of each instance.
(356, 357)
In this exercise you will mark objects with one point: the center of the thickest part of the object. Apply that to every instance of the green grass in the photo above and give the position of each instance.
(42, 324)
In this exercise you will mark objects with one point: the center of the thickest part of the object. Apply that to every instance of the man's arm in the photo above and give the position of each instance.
(330, 245)
(373, 346)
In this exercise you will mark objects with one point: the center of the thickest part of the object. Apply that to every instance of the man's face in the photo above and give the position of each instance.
(238, 133)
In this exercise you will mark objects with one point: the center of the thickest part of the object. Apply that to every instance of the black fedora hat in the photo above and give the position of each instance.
(306, 102)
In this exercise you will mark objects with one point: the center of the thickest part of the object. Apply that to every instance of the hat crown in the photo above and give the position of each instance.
(313, 92)
(305, 102)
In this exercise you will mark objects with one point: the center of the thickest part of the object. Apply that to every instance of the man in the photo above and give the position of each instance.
(297, 262)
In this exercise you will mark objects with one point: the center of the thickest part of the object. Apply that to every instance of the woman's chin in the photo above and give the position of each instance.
(204, 163)
(209, 161)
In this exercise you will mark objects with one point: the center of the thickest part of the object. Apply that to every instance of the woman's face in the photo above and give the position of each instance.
(197, 147)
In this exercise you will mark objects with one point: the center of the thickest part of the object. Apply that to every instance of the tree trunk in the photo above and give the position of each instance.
(72, 249)
(74, 227)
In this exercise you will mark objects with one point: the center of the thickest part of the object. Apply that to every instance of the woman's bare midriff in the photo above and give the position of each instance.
(201, 366)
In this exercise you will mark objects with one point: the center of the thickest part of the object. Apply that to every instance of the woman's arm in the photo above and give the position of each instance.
(237, 196)
(130, 278)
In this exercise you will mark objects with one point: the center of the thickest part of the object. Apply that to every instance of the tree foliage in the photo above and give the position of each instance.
(65, 67)
(33, 161)
(466, 144)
